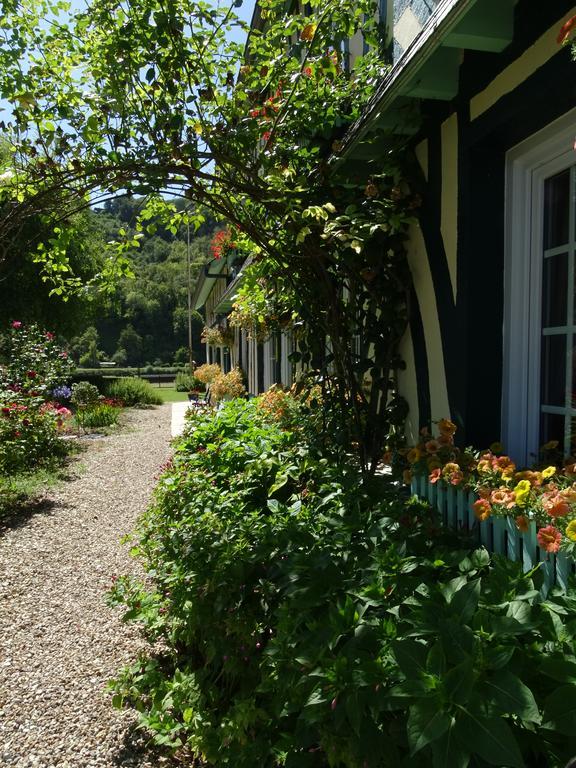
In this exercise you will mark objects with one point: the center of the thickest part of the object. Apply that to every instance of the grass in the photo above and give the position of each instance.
(21, 489)
(169, 394)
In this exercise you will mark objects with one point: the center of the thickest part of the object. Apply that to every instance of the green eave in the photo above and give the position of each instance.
(430, 69)
(209, 276)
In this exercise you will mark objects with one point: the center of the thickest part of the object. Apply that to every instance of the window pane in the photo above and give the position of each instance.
(552, 428)
(556, 209)
(555, 290)
(553, 367)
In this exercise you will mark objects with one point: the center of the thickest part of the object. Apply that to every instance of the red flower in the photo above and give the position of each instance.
(31, 374)
(49, 336)
(266, 136)
(565, 31)
(16, 324)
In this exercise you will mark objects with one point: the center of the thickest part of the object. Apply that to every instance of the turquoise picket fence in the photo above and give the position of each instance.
(498, 534)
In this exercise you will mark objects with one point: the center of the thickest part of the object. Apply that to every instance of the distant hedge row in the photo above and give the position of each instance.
(145, 370)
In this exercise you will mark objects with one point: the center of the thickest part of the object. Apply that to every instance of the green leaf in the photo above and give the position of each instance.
(497, 658)
(459, 682)
(508, 694)
(447, 752)
(426, 723)
(561, 670)
(465, 600)
(560, 709)
(411, 657)
(436, 661)
(490, 738)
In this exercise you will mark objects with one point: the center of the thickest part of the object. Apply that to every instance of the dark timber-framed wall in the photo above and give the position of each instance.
(454, 349)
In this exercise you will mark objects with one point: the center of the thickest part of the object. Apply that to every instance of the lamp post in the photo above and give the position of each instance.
(189, 271)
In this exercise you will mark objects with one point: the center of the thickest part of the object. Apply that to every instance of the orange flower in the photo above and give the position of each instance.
(456, 477)
(549, 538)
(435, 475)
(446, 427)
(482, 509)
(569, 494)
(484, 493)
(387, 458)
(565, 30)
(556, 506)
(446, 440)
(503, 497)
(407, 477)
(522, 523)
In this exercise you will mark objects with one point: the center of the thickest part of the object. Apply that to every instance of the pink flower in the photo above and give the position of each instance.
(16, 324)
(549, 538)
(49, 336)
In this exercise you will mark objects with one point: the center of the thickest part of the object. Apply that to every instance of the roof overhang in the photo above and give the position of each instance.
(211, 272)
(228, 298)
(430, 68)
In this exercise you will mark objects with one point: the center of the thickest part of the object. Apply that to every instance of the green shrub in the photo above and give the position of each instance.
(184, 382)
(311, 618)
(100, 415)
(132, 391)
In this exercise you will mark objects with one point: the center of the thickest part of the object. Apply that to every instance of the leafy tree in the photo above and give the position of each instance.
(143, 98)
(132, 345)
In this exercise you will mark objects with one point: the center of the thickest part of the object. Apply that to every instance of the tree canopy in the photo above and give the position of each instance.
(145, 97)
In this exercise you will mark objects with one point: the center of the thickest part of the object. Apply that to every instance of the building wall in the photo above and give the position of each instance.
(454, 348)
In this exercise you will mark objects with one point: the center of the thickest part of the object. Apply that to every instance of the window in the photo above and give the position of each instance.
(539, 383)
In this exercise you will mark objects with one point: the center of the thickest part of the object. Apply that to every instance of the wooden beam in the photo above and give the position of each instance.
(488, 26)
(438, 79)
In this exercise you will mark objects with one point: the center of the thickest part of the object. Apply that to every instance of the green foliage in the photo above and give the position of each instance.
(132, 391)
(100, 415)
(259, 136)
(310, 617)
(184, 382)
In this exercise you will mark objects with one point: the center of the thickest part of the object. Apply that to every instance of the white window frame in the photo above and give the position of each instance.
(528, 165)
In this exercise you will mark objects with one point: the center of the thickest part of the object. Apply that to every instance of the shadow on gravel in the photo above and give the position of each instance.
(20, 513)
(137, 751)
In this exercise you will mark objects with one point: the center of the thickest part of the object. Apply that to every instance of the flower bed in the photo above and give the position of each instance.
(527, 514)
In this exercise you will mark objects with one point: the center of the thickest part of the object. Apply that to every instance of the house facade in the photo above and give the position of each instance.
(486, 97)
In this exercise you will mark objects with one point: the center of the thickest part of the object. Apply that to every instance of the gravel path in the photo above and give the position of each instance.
(59, 642)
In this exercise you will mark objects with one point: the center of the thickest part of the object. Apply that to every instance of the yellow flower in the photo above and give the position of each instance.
(571, 530)
(522, 491)
(548, 472)
(413, 455)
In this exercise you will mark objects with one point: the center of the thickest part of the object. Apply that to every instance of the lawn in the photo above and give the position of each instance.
(170, 395)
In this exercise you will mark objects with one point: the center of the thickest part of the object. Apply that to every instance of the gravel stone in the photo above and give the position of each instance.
(59, 642)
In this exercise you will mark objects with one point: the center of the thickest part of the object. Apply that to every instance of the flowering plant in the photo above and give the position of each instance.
(30, 421)
(222, 242)
(207, 373)
(228, 386)
(218, 336)
(35, 362)
(545, 494)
